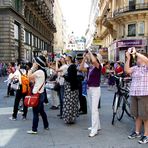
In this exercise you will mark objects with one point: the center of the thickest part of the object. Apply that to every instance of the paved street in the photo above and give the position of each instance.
(13, 133)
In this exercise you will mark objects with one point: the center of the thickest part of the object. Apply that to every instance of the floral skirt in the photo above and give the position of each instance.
(70, 104)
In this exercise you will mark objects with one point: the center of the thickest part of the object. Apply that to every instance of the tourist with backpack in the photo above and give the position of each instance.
(22, 90)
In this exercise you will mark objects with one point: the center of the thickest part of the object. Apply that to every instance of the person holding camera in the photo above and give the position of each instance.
(61, 70)
(138, 93)
(37, 75)
(94, 90)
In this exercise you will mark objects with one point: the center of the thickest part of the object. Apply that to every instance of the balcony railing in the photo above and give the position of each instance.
(131, 8)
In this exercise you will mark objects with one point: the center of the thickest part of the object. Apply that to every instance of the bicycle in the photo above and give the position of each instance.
(120, 102)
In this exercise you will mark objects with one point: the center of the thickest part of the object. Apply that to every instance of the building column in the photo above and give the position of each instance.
(7, 48)
(146, 24)
(21, 43)
(114, 5)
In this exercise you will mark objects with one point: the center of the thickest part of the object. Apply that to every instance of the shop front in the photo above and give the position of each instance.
(123, 45)
(118, 48)
(104, 53)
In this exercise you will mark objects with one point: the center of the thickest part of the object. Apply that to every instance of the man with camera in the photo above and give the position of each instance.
(138, 93)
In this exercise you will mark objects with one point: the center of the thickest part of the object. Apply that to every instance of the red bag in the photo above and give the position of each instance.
(32, 100)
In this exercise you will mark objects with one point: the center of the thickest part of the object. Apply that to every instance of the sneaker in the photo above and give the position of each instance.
(31, 132)
(82, 113)
(24, 118)
(54, 108)
(90, 128)
(143, 140)
(91, 135)
(134, 135)
(47, 128)
(12, 119)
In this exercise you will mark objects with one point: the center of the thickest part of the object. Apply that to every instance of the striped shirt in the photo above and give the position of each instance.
(139, 84)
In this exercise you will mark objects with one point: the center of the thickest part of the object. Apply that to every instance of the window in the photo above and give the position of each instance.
(132, 5)
(35, 42)
(39, 43)
(27, 37)
(32, 40)
(18, 5)
(141, 29)
(16, 31)
(132, 30)
(140, 1)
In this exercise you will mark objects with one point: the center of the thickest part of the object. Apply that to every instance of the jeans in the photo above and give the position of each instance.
(46, 99)
(18, 98)
(39, 110)
(93, 97)
(0, 72)
(82, 100)
(61, 99)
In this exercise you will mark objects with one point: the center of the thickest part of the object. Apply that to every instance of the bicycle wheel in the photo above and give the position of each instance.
(115, 105)
(113, 119)
(121, 108)
(127, 107)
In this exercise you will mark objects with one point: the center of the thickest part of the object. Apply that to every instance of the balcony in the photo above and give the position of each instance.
(44, 8)
(131, 8)
(106, 20)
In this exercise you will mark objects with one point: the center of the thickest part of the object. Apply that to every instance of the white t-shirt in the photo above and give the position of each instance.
(63, 70)
(17, 74)
(39, 80)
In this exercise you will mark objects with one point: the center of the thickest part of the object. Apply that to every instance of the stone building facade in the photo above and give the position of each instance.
(122, 24)
(26, 29)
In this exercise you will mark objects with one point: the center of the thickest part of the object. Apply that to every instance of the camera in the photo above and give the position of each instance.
(133, 58)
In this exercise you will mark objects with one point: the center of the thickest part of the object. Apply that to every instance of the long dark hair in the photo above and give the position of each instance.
(72, 77)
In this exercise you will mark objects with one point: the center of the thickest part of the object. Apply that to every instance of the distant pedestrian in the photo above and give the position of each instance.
(82, 85)
(61, 70)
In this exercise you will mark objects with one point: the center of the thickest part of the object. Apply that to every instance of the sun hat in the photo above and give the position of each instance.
(41, 61)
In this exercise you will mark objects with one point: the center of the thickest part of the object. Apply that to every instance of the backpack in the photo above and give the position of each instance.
(25, 84)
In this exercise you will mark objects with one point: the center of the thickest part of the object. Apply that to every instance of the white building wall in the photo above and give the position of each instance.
(94, 12)
(58, 36)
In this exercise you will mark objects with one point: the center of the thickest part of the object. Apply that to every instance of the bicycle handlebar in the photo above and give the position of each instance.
(123, 79)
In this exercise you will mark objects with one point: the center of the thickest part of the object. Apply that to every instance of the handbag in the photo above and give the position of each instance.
(15, 85)
(32, 100)
(56, 87)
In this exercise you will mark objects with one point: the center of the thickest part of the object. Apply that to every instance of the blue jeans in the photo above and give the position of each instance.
(39, 110)
(0, 72)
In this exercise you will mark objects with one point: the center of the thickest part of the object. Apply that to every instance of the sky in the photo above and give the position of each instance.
(76, 13)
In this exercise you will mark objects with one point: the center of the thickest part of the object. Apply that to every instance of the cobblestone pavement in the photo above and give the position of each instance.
(13, 133)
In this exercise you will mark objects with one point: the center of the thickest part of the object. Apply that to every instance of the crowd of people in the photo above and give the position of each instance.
(3, 69)
(109, 70)
(74, 82)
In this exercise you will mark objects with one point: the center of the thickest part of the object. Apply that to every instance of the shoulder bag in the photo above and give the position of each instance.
(32, 100)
